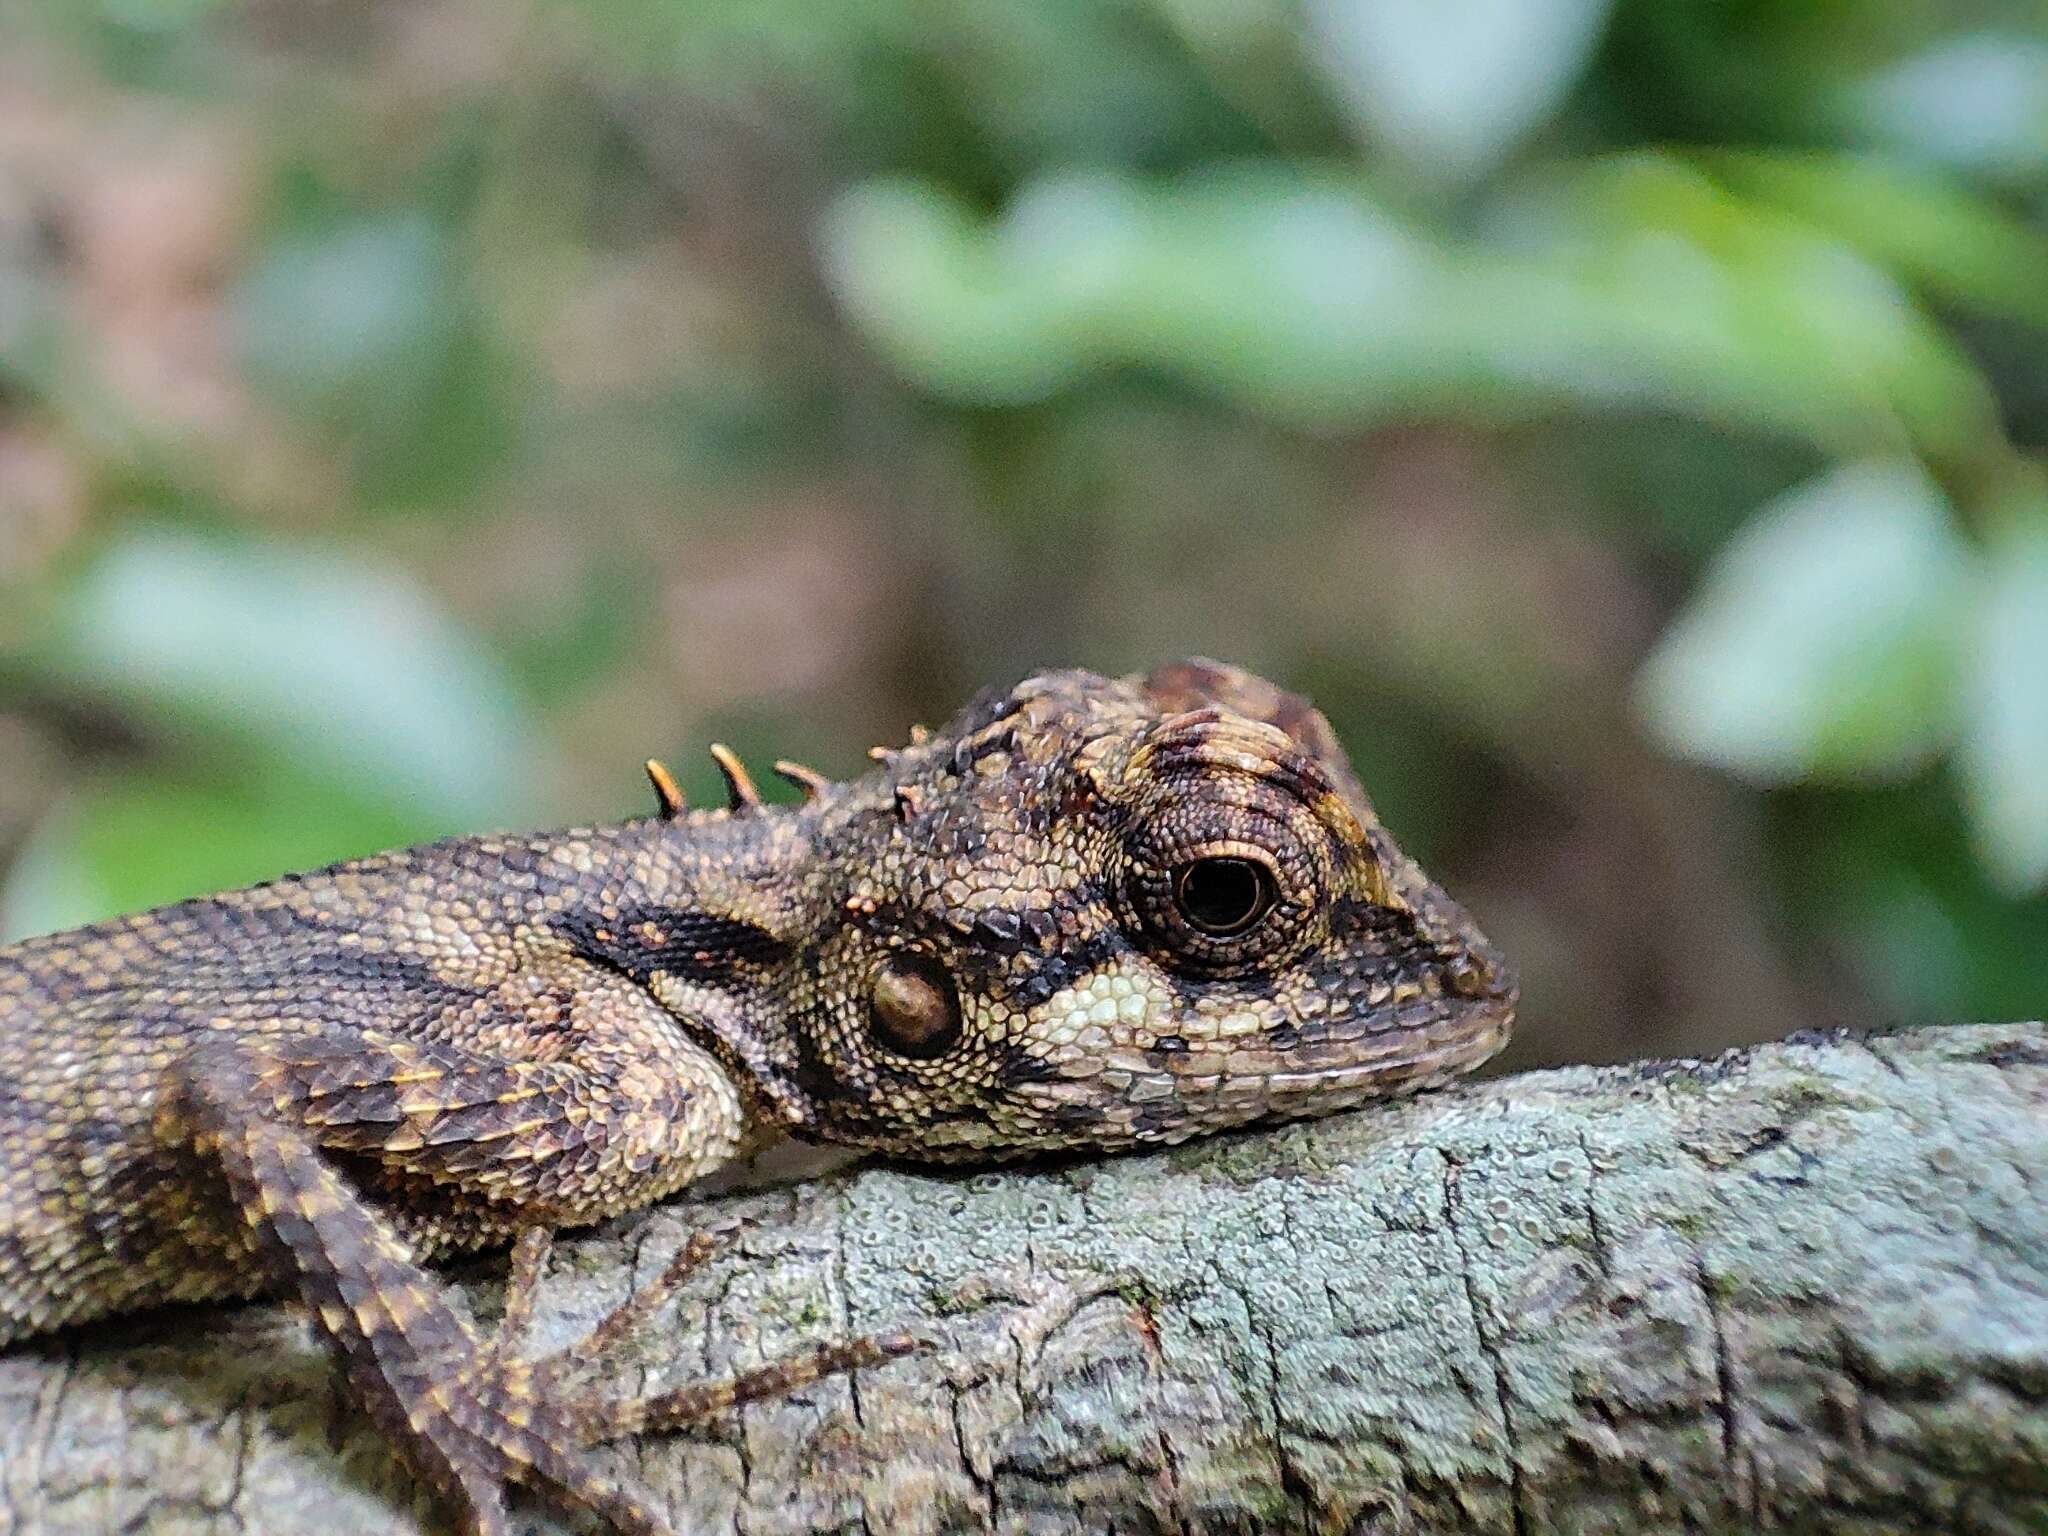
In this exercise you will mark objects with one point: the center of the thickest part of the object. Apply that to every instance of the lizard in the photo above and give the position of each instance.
(1090, 913)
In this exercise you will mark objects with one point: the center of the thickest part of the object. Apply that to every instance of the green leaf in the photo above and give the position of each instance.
(1888, 876)
(911, 265)
(1730, 309)
(1635, 284)
(331, 310)
(123, 845)
(1448, 86)
(368, 326)
(2004, 754)
(344, 670)
(1952, 242)
(1976, 102)
(1823, 642)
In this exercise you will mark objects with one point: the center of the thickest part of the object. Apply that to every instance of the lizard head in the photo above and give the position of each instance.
(1099, 912)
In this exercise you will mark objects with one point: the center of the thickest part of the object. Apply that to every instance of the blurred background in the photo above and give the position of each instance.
(1622, 418)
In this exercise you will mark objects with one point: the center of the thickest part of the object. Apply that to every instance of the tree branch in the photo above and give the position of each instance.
(1801, 1287)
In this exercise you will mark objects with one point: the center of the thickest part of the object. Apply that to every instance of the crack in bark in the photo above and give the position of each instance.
(244, 1438)
(1489, 1347)
(1741, 1477)
(844, 1313)
(1291, 1479)
(984, 1485)
(49, 1407)
(1603, 1261)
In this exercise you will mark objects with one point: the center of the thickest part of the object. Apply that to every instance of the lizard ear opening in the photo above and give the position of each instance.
(914, 1007)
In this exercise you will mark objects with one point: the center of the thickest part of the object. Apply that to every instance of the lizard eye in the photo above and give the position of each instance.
(1217, 910)
(914, 1007)
(1222, 896)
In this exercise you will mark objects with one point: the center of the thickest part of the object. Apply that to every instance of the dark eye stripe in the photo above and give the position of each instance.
(686, 944)
(1002, 931)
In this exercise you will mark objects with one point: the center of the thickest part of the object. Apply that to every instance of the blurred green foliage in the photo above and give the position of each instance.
(1624, 418)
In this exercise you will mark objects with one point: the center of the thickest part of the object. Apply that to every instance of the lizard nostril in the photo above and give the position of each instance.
(1474, 975)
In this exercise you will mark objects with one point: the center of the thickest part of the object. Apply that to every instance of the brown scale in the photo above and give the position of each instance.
(1089, 913)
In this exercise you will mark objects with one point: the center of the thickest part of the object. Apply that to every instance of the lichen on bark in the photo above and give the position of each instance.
(1800, 1287)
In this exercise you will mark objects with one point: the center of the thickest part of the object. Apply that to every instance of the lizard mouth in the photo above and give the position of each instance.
(1175, 1090)
(1292, 1078)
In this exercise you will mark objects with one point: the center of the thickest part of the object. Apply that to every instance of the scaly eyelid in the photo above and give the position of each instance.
(1214, 740)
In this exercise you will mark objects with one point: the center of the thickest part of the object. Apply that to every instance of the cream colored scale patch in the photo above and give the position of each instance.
(1124, 1003)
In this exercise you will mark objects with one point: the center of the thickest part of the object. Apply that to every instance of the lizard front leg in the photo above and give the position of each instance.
(469, 1419)
(451, 1147)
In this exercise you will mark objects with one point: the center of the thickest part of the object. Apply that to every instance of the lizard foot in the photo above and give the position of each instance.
(595, 1417)
(472, 1414)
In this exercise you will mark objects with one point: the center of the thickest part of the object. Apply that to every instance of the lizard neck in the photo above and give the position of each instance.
(712, 914)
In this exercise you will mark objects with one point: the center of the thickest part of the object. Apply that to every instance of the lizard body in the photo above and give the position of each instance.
(1089, 913)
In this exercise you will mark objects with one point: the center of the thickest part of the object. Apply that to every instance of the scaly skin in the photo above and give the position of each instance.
(1090, 913)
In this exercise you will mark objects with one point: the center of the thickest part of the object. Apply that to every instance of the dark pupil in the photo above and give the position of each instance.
(1222, 896)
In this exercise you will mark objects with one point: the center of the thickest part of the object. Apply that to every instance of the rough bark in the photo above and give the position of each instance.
(1802, 1287)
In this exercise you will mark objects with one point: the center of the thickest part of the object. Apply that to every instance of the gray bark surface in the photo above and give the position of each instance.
(1800, 1287)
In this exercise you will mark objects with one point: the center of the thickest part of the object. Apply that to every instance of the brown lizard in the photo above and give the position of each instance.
(1090, 913)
